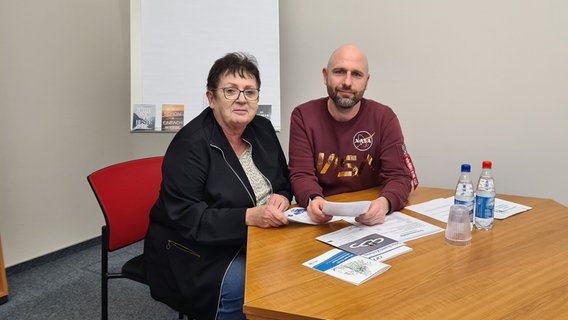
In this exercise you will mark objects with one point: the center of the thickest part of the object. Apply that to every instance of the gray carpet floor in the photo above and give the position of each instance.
(66, 285)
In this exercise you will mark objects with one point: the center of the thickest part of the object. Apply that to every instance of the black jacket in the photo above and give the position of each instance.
(197, 225)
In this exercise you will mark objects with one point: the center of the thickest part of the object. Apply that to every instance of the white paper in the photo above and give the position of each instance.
(391, 253)
(397, 226)
(299, 214)
(350, 209)
(504, 209)
(439, 209)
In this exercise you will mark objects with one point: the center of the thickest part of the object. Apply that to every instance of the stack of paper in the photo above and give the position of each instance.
(361, 249)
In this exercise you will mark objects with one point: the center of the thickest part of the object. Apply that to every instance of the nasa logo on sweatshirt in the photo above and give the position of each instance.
(363, 140)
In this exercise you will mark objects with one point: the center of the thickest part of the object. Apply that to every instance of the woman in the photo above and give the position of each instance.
(223, 171)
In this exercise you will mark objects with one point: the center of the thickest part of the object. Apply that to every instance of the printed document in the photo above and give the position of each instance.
(439, 209)
(397, 226)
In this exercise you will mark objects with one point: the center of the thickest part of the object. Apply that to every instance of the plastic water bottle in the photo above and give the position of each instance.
(485, 198)
(464, 190)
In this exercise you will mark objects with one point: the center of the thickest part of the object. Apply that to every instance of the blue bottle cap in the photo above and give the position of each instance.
(466, 167)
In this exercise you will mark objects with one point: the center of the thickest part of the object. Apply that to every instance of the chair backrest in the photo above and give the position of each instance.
(126, 192)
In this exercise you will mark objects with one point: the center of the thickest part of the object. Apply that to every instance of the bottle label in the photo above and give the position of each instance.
(486, 184)
(484, 207)
(464, 189)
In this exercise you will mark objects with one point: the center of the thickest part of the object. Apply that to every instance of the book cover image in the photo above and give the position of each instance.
(172, 117)
(143, 117)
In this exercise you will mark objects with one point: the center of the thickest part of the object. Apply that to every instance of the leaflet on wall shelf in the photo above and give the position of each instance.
(347, 266)
(143, 117)
(172, 117)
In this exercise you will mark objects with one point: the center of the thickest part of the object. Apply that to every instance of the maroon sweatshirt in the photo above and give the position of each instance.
(329, 157)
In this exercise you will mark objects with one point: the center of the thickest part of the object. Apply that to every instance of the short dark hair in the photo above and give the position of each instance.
(233, 63)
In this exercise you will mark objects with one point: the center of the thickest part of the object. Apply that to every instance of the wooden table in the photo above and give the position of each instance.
(516, 271)
(3, 282)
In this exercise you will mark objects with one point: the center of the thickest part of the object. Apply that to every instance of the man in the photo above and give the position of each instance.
(345, 142)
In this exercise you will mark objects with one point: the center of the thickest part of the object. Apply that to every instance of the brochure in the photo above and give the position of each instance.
(172, 117)
(372, 246)
(347, 266)
(143, 117)
(299, 214)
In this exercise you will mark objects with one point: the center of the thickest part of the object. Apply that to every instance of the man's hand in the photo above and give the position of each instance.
(315, 212)
(376, 212)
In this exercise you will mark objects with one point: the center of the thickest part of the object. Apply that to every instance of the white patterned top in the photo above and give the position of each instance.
(259, 183)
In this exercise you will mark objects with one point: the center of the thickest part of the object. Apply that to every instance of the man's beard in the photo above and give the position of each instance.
(344, 103)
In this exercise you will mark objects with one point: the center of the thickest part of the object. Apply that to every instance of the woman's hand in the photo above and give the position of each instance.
(270, 215)
(279, 201)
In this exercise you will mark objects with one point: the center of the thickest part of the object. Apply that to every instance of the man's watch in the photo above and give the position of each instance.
(315, 195)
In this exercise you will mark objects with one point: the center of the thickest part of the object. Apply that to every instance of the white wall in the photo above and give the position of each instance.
(452, 70)
(469, 80)
(64, 107)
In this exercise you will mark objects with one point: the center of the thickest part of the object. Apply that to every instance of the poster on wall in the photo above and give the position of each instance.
(175, 42)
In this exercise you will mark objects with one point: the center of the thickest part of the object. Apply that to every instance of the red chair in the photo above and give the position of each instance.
(126, 192)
